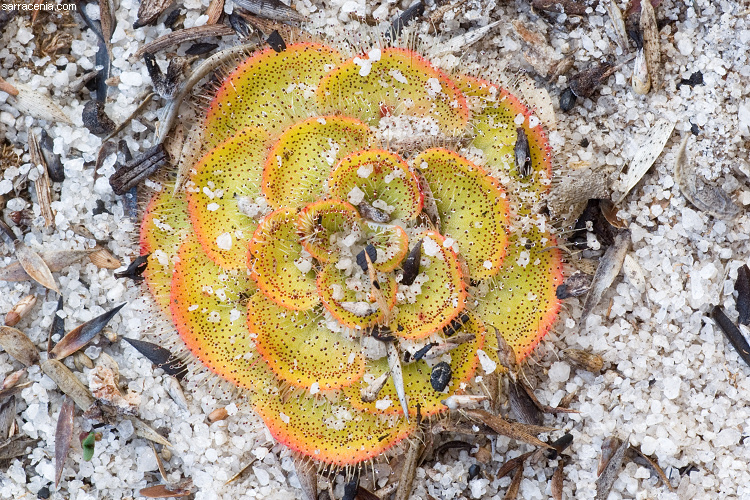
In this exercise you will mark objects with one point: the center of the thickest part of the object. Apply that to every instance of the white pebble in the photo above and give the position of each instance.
(559, 372)
(672, 387)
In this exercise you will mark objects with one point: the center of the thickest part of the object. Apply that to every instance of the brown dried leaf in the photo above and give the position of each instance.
(20, 310)
(167, 491)
(80, 336)
(103, 259)
(557, 481)
(63, 435)
(512, 464)
(654, 466)
(515, 485)
(15, 446)
(182, 36)
(18, 345)
(11, 380)
(34, 266)
(31, 102)
(522, 406)
(519, 432)
(609, 267)
(618, 23)
(610, 470)
(7, 417)
(68, 383)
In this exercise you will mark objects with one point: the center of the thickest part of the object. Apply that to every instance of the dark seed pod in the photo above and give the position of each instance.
(567, 100)
(522, 153)
(382, 333)
(371, 252)
(440, 376)
(411, 264)
(559, 445)
(198, 49)
(95, 119)
(522, 406)
(276, 42)
(456, 324)
(473, 471)
(374, 214)
(742, 286)
(135, 269)
(171, 20)
(54, 165)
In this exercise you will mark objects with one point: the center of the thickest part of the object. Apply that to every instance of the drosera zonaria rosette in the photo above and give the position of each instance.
(281, 263)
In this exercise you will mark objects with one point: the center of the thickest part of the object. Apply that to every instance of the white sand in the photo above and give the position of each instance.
(672, 384)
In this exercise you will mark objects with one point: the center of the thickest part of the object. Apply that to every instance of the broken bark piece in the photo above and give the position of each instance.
(271, 9)
(609, 472)
(149, 11)
(569, 7)
(135, 171)
(181, 36)
(95, 118)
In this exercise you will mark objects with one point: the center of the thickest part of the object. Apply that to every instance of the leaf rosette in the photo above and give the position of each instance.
(323, 214)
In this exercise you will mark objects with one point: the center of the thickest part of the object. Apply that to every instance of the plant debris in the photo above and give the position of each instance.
(80, 336)
(742, 287)
(63, 436)
(732, 333)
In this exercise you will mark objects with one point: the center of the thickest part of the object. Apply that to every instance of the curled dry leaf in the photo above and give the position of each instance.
(513, 464)
(20, 310)
(82, 335)
(609, 267)
(732, 333)
(18, 345)
(182, 489)
(35, 266)
(608, 473)
(63, 436)
(708, 198)
(647, 154)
